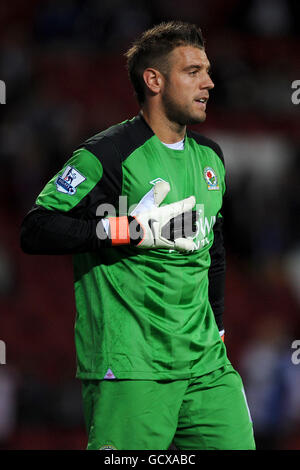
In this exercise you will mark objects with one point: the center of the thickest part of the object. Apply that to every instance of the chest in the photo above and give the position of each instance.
(189, 173)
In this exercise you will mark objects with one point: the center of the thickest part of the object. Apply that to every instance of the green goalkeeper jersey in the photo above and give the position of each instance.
(142, 314)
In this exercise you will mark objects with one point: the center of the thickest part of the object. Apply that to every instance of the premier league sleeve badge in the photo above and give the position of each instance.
(67, 182)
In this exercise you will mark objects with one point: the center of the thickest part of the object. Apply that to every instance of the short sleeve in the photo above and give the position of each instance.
(69, 186)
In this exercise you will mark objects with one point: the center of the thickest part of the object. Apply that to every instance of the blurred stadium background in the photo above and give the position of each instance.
(63, 65)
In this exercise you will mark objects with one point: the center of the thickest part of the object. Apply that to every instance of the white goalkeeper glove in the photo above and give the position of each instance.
(149, 226)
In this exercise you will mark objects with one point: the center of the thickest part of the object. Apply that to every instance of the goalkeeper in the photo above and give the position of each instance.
(139, 207)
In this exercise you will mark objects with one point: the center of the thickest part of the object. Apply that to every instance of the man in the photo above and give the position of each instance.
(149, 278)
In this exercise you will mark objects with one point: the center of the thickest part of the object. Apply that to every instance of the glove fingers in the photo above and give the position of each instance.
(183, 225)
(176, 208)
(160, 190)
(152, 198)
(145, 204)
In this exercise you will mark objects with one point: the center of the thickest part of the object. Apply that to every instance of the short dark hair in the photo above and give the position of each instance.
(151, 49)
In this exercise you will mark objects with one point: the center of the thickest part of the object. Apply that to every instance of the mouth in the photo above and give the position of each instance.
(202, 102)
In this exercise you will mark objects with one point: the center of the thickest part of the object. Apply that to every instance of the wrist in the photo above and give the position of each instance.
(124, 230)
(222, 335)
(119, 230)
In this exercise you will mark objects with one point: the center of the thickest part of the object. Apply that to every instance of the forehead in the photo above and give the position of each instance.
(185, 56)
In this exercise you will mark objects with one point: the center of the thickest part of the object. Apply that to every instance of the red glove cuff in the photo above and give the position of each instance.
(119, 230)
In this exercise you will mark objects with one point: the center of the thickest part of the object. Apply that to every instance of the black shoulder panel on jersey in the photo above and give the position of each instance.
(201, 140)
(125, 137)
(111, 146)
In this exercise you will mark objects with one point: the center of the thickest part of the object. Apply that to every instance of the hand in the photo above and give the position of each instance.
(150, 226)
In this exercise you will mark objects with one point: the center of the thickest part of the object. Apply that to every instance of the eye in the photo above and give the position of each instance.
(194, 72)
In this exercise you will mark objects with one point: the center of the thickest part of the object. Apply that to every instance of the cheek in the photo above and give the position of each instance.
(180, 92)
(184, 93)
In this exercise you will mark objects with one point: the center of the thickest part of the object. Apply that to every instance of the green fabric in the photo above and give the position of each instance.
(89, 166)
(146, 314)
(204, 413)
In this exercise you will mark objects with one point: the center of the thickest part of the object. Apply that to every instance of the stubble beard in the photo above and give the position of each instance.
(177, 113)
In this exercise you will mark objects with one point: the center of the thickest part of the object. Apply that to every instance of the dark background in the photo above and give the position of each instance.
(63, 65)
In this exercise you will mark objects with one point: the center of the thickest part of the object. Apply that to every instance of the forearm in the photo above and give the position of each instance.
(54, 233)
(216, 275)
(216, 297)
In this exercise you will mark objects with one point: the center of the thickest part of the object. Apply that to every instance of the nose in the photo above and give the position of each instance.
(208, 84)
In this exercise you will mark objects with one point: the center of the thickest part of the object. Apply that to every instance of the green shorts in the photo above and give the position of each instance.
(208, 412)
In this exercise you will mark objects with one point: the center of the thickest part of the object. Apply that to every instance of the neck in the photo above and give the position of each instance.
(167, 131)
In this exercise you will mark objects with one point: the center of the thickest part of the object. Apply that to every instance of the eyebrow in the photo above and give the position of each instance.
(197, 66)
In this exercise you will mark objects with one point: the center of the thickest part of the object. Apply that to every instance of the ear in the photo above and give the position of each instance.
(153, 80)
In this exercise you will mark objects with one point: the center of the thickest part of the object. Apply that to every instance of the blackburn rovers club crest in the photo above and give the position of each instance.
(211, 178)
(67, 182)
